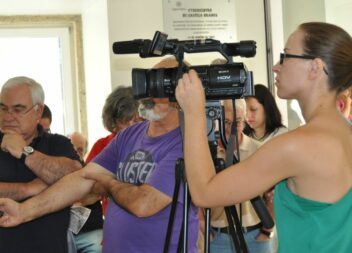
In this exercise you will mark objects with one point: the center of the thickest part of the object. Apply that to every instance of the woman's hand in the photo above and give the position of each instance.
(190, 93)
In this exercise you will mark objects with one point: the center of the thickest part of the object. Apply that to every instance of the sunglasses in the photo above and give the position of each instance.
(283, 56)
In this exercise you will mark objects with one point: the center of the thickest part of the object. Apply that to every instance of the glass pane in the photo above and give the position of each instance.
(40, 59)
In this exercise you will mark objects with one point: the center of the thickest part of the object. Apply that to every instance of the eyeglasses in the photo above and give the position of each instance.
(17, 110)
(305, 56)
(229, 123)
(283, 56)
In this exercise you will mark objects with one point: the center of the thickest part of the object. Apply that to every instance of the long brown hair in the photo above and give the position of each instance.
(333, 45)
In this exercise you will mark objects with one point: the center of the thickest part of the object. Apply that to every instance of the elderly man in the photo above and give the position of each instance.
(138, 171)
(30, 160)
(255, 240)
(89, 238)
(80, 144)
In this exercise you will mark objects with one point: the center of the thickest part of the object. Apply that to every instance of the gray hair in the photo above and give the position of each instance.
(218, 61)
(35, 88)
(120, 106)
(80, 136)
(240, 105)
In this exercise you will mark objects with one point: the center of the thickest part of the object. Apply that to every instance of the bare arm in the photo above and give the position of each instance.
(142, 201)
(21, 191)
(51, 168)
(96, 194)
(240, 182)
(48, 168)
(63, 193)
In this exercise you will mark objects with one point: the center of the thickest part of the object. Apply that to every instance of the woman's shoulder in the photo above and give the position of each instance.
(292, 141)
(278, 131)
(311, 137)
(282, 129)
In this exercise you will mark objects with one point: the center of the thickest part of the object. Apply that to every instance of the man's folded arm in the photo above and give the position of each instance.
(51, 168)
(21, 191)
(63, 193)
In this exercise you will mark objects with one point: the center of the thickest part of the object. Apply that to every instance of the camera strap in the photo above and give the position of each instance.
(179, 178)
(232, 157)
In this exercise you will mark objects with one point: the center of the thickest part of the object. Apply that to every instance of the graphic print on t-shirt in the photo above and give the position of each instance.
(136, 168)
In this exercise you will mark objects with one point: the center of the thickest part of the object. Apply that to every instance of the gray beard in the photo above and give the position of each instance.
(147, 103)
(149, 113)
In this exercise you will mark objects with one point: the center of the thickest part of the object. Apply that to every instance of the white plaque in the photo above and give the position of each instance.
(200, 19)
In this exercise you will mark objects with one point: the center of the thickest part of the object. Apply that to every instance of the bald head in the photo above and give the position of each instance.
(79, 143)
(169, 62)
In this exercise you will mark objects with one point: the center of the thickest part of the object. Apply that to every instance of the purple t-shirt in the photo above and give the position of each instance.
(136, 158)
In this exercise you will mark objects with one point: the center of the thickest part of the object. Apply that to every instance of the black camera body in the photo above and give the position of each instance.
(226, 81)
(219, 81)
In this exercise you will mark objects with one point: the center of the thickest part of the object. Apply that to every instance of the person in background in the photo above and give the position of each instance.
(310, 165)
(89, 238)
(30, 160)
(120, 111)
(263, 116)
(344, 103)
(46, 119)
(137, 169)
(252, 228)
(80, 144)
(264, 123)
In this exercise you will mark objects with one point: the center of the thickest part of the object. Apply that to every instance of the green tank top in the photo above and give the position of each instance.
(305, 225)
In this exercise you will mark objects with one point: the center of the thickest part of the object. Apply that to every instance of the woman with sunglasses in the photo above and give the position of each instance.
(311, 166)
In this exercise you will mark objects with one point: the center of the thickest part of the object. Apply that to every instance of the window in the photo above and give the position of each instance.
(47, 55)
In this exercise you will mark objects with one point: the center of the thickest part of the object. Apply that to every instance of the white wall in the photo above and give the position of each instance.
(250, 22)
(97, 65)
(278, 43)
(128, 20)
(37, 7)
(339, 13)
(299, 11)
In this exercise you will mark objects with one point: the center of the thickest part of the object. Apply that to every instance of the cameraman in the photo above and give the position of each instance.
(137, 170)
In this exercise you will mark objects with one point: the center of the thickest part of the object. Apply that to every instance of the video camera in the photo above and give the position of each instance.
(227, 81)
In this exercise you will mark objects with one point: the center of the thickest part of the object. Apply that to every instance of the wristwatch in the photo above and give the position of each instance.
(267, 233)
(27, 150)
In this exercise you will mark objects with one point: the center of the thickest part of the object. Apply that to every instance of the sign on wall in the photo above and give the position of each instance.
(200, 19)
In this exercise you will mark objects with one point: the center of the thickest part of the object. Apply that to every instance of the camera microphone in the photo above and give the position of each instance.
(128, 47)
(244, 48)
